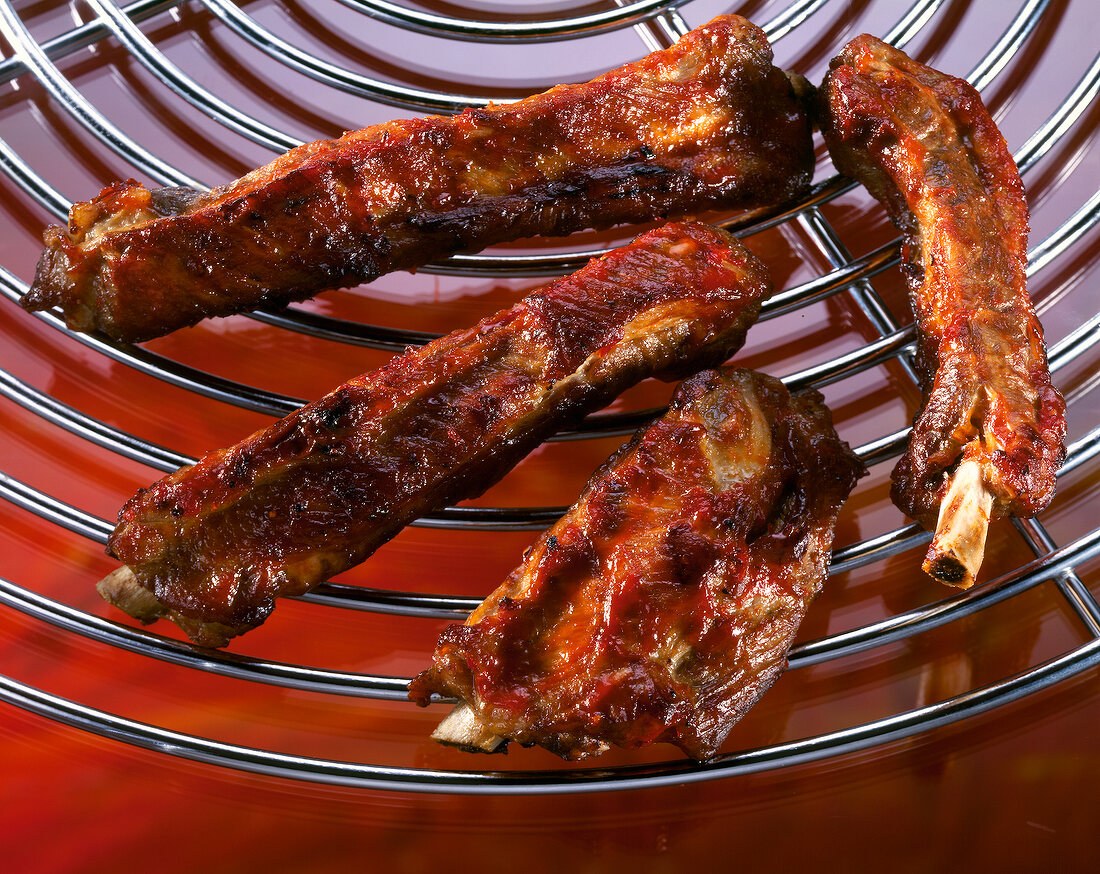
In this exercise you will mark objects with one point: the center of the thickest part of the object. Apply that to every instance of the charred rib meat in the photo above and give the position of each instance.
(707, 123)
(663, 604)
(213, 545)
(989, 439)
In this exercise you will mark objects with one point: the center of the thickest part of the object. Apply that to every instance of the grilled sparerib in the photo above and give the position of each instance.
(707, 123)
(663, 604)
(989, 439)
(215, 544)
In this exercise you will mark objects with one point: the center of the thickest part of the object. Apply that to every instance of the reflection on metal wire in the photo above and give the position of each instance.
(656, 23)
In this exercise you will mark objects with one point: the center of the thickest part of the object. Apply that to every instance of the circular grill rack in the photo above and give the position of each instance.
(50, 68)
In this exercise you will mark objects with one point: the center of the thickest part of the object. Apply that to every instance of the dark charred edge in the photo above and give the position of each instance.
(947, 570)
(126, 298)
(819, 511)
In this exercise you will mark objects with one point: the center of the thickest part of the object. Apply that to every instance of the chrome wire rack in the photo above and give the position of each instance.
(62, 69)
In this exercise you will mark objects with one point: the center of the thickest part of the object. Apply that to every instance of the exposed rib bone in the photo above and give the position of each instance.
(959, 545)
(462, 728)
(121, 588)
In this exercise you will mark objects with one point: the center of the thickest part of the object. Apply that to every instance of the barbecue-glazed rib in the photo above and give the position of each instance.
(705, 124)
(663, 604)
(989, 439)
(213, 545)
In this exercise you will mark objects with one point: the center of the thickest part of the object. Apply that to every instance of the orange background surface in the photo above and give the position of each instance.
(1014, 789)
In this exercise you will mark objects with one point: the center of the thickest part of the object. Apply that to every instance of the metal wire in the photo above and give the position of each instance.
(657, 23)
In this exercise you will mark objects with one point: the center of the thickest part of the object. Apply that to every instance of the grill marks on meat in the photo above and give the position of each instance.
(663, 604)
(924, 145)
(707, 123)
(213, 545)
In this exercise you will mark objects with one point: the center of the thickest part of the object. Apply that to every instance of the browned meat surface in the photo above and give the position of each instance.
(215, 544)
(663, 604)
(707, 123)
(923, 144)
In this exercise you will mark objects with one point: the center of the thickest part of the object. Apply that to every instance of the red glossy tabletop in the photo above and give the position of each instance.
(941, 778)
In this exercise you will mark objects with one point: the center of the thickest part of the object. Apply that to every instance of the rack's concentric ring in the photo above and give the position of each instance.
(61, 94)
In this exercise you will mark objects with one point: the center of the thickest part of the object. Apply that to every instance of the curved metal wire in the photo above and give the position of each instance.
(1047, 566)
(663, 22)
(401, 96)
(891, 345)
(849, 740)
(528, 30)
(33, 56)
(150, 57)
(83, 35)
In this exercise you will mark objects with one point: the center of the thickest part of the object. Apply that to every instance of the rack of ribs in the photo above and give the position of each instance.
(214, 544)
(989, 439)
(708, 123)
(663, 604)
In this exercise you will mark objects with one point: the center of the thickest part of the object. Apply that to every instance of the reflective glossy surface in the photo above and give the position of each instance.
(1009, 789)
